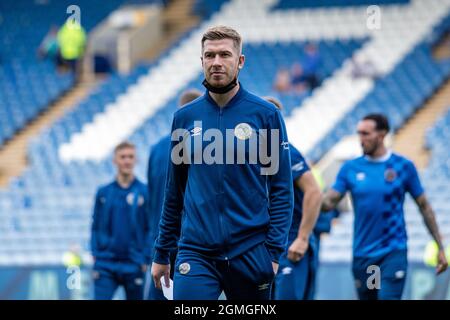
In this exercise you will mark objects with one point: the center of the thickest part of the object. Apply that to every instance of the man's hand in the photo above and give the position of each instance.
(298, 249)
(331, 200)
(159, 270)
(442, 262)
(275, 267)
(430, 221)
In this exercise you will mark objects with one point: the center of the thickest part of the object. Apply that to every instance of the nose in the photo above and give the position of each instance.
(217, 61)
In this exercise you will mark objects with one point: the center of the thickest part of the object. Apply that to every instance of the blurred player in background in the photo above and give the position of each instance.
(378, 181)
(296, 274)
(156, 175)
(236, 216)
(120, 241)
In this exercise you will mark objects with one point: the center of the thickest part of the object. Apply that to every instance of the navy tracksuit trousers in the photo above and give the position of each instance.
(248, 276)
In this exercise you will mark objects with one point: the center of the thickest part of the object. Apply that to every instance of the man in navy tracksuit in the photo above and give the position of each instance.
(234, 207)
(296, 274)
(120, 241)
(156, 177)
(295, 277)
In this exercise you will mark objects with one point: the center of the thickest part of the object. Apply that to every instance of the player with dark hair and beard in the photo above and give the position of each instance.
(378, 182)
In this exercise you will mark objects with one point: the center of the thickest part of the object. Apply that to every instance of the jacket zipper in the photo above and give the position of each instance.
(221, 182)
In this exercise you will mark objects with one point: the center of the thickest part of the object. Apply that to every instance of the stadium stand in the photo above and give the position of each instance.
(78, 180)
(36, 193)
(388, 50)
(49, 207)
(206, 9)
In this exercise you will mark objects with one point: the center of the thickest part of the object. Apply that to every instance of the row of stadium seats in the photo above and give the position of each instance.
(205, 8)
(25, 91)
(437, 141)
(294, 4)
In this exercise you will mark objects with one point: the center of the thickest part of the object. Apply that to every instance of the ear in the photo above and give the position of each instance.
(201, 58)
(384, 133)
(241, 61)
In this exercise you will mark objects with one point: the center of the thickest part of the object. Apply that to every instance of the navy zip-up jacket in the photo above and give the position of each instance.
(227, 207)
(156, 177)
(135, 208)
(299, 167)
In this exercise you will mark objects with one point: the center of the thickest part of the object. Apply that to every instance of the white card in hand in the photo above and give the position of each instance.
(168, 292)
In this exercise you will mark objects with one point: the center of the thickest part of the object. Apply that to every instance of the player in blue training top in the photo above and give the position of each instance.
(120, 241)
(378, 182)
(236, 203)
(296, 274)
(156, 177)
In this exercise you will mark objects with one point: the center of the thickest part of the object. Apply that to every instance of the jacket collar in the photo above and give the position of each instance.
(241, 93)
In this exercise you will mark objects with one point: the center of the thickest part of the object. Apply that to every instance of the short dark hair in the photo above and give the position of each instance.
(223, 32)
(188, 96)
(381, 121)
(124, 145)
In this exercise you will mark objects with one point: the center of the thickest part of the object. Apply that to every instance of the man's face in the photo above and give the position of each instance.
(369, 137)
(220, 61)
(125, 160)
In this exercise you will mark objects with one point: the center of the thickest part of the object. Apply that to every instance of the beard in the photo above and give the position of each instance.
(369, 151)
(223, 88)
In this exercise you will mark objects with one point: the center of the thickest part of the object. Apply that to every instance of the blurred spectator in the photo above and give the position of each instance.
(307, 74)
(303, 75)
(283, 81)
(72, 40)
(298, 81)
(364, 69)
(48, 49)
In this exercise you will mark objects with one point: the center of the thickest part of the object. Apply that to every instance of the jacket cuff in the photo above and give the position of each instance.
(161, 257)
